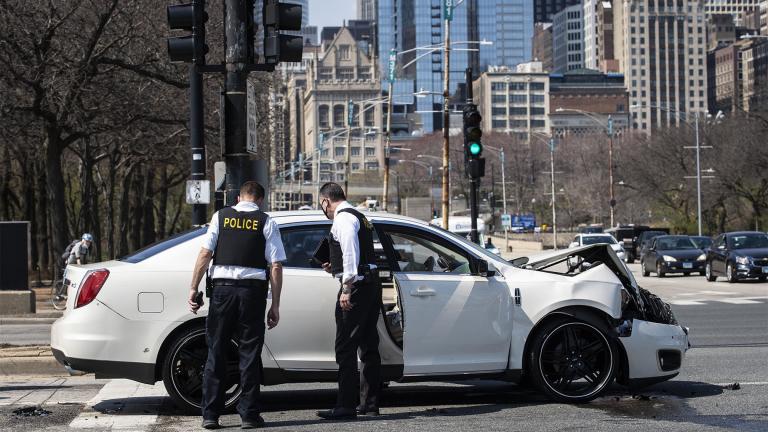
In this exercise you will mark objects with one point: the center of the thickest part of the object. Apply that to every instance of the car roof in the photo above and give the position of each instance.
(295, 216)
(743, 232)
(672, 236)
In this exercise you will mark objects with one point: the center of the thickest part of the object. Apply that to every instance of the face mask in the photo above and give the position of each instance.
(324, 208)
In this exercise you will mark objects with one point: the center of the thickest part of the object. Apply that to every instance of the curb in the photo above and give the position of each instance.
(23, 320)
(46, 365)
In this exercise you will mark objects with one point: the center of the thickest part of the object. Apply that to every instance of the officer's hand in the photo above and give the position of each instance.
(193, 306)
(273, 317)
(344, 301)
(327, 267)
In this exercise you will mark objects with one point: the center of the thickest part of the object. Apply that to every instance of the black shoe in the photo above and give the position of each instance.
(256, 423)
(367, 410)
(211, 424)
(338, 414)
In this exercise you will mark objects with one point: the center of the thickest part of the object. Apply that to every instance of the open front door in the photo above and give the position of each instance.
(453, 322)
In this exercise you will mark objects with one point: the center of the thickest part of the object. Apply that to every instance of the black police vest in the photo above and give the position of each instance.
(365, 242)
(241, 239)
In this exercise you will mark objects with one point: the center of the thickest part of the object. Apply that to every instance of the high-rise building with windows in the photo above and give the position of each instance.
(589, 15)
(568, 39)
(732, 7)
(416, 24)
(366, 10)
(661, 51)
(544, 10)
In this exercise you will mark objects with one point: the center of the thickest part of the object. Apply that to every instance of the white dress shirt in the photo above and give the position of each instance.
(344, 230)
(274, 251)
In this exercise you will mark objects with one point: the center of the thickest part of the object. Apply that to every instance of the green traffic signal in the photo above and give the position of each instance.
(475, 149)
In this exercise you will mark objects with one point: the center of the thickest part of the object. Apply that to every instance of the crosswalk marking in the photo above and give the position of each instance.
(729, 300)
(122, 405)
(686, 302)
(738, 301)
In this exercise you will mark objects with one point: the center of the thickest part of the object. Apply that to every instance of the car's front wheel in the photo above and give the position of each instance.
(708, 273)
(183, 371)
(645, 270)
(572, 361)
(659, 271)
(729, 274)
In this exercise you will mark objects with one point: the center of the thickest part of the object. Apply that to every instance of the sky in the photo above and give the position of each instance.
(324, 13)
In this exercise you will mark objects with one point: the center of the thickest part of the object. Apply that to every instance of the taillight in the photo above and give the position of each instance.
(90, 288)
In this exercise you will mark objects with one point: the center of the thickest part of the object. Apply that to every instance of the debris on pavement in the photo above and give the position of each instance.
(31, 411)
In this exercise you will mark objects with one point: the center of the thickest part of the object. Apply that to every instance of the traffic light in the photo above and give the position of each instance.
(278, 16)
(190, 17)
(473, 147)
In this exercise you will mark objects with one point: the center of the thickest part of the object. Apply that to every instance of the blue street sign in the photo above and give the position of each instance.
(350, 113)
(448, 9)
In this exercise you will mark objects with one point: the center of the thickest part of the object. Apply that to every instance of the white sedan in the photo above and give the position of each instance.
(569, 321)
(590, 239)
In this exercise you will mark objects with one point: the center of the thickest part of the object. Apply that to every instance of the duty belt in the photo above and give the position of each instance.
(240, 282)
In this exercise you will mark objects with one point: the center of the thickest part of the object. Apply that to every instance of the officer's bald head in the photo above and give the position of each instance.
(251, 191)
(333, 192)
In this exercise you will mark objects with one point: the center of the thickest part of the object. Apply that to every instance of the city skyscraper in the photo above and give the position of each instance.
(366, 10)
(663, 58)
(409, 24)
(590, 33)
(568, 39)
(544, 10)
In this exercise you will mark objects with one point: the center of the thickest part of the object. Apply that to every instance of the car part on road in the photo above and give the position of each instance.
(573, 361)
(183, 371)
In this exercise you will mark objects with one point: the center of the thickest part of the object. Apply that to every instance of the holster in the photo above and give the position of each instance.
(208, 285)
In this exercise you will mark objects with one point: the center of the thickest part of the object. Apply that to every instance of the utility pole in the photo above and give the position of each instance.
(448, 14)
(698, 175)
(474, 163)
(347, 170)
(552, 179)
(504, 196)
(388, 140)
(612, 202)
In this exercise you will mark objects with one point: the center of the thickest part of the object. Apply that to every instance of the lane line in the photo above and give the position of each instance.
(686, 302)
(114, 406)
(738, 301)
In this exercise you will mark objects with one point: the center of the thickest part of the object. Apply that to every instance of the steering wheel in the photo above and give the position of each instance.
(448, 265)
(429, 264)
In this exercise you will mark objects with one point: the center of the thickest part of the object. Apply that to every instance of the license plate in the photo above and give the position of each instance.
(765, 270)
(687, 265)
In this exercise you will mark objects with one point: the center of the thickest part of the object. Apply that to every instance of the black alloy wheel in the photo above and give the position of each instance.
(573, 361)
(183, 371)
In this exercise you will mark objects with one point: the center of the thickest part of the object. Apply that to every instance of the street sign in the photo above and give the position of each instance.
(198, 192)
(448, 9)
(219, 175)
(350, 113)
(392, 64)
(506, 220)
(252, 146)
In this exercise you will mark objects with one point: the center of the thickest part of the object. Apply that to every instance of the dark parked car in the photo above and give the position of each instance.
(738, 255)
(672, 254)
(702, 242)
(631, 236)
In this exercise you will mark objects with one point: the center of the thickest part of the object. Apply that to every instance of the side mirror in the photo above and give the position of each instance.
(573, 245)
(482, 269)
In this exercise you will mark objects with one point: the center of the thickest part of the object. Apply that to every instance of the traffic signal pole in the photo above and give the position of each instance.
(196, 138)
(446, 121)
(473, 180)
(236, 14)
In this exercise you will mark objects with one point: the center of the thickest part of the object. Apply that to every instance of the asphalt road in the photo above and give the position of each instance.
(729, 334)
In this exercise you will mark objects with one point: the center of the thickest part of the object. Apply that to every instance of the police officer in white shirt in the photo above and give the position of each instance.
(244, 244)
(353, 262)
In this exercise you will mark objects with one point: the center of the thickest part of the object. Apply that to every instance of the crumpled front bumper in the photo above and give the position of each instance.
(655, 351)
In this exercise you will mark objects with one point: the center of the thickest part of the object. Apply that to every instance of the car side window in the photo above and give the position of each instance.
(417, 252)
(719, 241)
(300, 243)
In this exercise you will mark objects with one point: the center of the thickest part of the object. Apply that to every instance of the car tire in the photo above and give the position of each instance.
(702, 273)
(659, 272)
(646, 273)
(729, 274)
(686, 273)
(182, 371)
(708, 273)
(762, 278)
(578, 351)
(629, 259)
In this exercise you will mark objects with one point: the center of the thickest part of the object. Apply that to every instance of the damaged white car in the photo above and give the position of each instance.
(569, 322)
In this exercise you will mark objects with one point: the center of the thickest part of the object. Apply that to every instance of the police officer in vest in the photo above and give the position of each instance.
(352, 261)
(245, 246)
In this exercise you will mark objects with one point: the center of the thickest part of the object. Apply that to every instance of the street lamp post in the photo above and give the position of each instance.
(552, 180)
(431, 183)
(500, 149)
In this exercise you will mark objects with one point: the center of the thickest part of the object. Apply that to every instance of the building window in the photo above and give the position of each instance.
(498, 124)
(324, 73)
(345, 73)
(364, 73)
(518, 111)
(355, 151)
(537, 111)
(518, 86)
(537, 86)
(498, 111)
(355, 114)
(496, 86)
(338, 116)
(368, 115)
(619, 108)
(344, 52)
(322, 114)
(370, 152)
(498, 99)
(518, 99)
(338, 151)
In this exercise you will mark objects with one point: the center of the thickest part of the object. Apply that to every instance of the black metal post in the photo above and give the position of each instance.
(196, 139)
(236, 15)
(473, 181)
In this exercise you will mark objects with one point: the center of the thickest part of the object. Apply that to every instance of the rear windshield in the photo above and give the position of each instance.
(590, 240)
(163, 245)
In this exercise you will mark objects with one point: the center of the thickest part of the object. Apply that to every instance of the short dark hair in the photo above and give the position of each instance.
(333, 192)
(252, 189)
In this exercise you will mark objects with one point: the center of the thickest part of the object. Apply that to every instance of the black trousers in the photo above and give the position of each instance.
(235, 312)
(356, 330)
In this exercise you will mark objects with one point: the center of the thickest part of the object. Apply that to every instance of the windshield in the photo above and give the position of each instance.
(674, 243)
(590, 240)
(748, 241)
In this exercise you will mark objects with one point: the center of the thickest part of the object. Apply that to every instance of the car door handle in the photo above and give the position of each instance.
(423, 292)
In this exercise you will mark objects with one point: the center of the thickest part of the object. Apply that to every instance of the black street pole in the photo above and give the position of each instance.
(236, 15)
(196, 139)
(473, 181)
